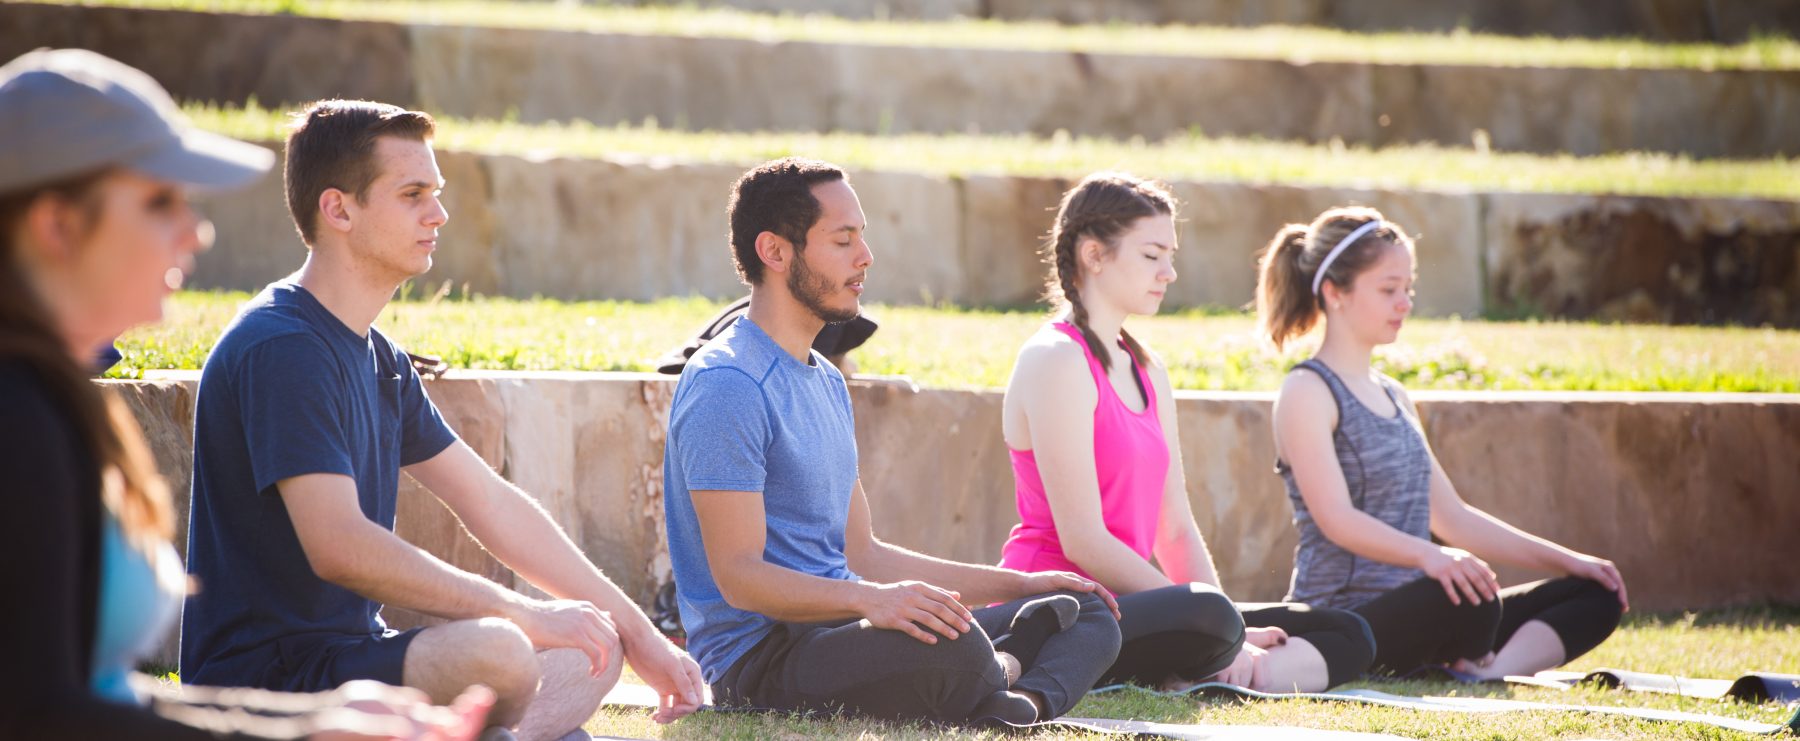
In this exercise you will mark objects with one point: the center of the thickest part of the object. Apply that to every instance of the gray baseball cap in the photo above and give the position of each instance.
(65, 112)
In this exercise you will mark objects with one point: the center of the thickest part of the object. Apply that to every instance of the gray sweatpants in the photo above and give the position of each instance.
(854, 667)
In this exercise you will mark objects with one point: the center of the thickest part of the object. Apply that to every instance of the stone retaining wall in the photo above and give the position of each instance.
(1693, 495)
(748, 85)
(1728, 21)
(580, 228)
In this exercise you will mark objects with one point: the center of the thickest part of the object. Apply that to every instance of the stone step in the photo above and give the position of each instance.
(1657, 20)
(1628, 476)
(613, 229)
(742, 84)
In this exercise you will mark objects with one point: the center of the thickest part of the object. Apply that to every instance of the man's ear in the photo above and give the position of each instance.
(776, 253)
(334, 210)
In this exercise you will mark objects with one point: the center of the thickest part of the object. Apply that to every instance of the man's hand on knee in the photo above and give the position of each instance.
(916, 609)
(1040, 582)
(573, 624)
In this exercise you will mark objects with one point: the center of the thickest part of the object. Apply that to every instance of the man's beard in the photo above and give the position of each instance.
(810, 289)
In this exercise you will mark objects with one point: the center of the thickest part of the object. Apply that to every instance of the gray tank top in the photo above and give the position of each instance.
(1388, 470)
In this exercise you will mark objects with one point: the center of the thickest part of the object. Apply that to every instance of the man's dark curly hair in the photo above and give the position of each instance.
(775, 197)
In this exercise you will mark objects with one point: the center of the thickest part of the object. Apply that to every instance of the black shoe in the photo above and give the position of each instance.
(1035, 622)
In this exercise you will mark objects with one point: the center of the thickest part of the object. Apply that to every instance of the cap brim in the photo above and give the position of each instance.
(205, 160)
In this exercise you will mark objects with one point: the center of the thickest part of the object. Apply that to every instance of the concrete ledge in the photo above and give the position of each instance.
(746, 85)
(1692, 494)
(228, 58)
(1659, 20)
(579, 228)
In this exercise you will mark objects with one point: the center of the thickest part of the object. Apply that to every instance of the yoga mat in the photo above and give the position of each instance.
(1474, 705)
(640, 696)
(1197, 732)
(1753, 687)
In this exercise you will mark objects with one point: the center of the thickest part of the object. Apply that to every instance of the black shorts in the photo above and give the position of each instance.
(316, 662)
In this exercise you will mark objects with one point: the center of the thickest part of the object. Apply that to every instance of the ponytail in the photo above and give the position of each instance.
(1285, 306)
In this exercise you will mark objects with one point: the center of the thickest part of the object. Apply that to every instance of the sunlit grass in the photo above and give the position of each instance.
(968, 348)
(1716, 643)
(1267, 42)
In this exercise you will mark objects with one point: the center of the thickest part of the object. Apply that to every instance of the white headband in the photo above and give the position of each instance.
(1339, 249)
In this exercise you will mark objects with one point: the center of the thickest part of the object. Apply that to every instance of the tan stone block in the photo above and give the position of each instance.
(467, 252)
(1225, 225)
(1690, 494)
(255, 241)
(600, 229)
(1228, 453)
(222, 57)
(1683, 260)
(694, 83)
(164, 409)
(935, 468)
(473, 408)
(915, 227)
(1005, 223)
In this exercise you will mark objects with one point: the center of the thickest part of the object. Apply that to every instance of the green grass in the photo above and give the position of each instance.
(1185, 157)
(1721, 643)
(1269, 42)
(950, 347)
(1709, 644)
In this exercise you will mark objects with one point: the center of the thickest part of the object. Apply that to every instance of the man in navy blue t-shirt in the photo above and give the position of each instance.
(306, 416)
(789, 599)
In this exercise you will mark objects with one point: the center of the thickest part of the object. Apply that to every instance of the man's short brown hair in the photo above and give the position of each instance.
(775, 197)
(332, 145)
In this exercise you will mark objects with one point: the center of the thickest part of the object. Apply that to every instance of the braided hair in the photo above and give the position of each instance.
(1102, 207)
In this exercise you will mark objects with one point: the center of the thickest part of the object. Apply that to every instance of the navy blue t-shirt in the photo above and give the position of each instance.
(289, 390)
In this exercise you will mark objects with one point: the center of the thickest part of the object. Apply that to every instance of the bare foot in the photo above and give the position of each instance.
(1177, 684)
(1481, 667)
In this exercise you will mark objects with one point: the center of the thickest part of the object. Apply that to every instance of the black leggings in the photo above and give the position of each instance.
(1193, 631)
(1415, 624)
(851, 665)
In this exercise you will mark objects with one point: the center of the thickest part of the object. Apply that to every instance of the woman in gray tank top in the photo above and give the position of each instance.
(1369, 495)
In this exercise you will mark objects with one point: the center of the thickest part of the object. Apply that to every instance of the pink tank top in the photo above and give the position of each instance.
(1131, 457)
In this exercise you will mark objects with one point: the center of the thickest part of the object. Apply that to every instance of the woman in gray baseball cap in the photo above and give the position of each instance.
(95, 231)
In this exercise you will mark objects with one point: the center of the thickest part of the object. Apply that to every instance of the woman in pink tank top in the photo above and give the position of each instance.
(1090, 423)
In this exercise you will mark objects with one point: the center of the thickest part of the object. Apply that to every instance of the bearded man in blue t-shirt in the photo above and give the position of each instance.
(306, 416)
(789, 599)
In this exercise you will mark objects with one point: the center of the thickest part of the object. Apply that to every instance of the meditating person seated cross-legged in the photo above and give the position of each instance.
(1369, 495)
(95, 231)
(305, 417)
(789, 599)
(1089, 418)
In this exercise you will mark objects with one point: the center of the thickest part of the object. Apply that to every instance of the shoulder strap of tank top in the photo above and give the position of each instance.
(1339, 393)
(1332, 382)
(1392, 387)
(1075, 333)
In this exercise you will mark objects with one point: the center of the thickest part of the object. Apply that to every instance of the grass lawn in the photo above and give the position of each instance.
(949, 347)
(1720, 644)
(1269, 42)
(1186, 157)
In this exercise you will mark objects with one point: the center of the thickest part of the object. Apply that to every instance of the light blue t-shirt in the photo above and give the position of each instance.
(140, 595)
(749, 417)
